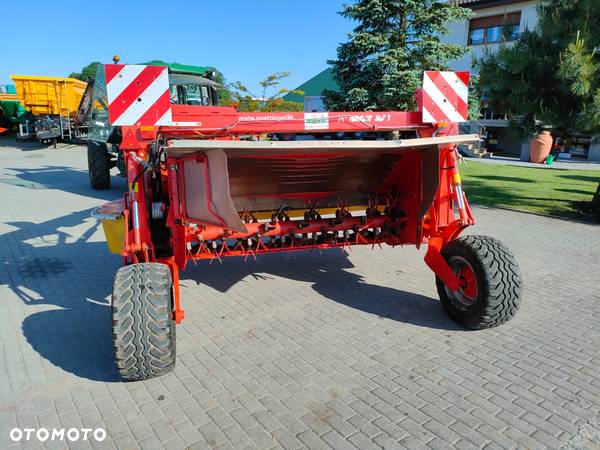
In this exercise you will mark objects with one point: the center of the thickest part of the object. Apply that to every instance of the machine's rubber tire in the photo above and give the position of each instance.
(98, 164)
(495, 271)
(143, 328)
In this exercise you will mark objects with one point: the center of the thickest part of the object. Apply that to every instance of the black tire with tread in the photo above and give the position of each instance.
(98, 165)
(144, 341)
(499, 283)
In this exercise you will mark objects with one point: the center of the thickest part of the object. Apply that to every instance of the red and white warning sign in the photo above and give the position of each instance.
(445, 96)
(138, 95)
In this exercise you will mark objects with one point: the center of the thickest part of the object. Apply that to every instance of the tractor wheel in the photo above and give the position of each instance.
(142, 321)
(98, 165)
(490, 282)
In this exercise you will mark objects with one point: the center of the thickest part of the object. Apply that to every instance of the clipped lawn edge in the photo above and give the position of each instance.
(587, 219)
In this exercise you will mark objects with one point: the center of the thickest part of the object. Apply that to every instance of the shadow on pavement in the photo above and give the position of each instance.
(51, 266)
(24, 146)
(67, 179)
(328, 272)
(31, 145)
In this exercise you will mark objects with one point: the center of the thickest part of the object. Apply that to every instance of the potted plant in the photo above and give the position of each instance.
(540, 147)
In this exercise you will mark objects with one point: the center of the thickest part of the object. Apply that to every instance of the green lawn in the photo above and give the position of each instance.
(545, 191)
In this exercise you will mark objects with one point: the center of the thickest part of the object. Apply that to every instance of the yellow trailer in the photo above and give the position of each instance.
(52, 96)
(54, 101)
(9, 97)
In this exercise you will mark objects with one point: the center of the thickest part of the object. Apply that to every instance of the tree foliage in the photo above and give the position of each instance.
(551, 76)
(87, 73)
(271, 98)
(158, 62)
(382, 63)
(222, 90)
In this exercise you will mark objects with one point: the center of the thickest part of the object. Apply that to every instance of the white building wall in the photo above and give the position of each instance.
(459, 31)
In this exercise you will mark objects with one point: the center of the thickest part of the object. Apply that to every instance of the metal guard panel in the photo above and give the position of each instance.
(183, 147)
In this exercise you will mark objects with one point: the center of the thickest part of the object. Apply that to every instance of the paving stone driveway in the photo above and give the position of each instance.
(310, 350)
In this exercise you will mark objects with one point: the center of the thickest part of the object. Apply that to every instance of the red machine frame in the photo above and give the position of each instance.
(445, 219)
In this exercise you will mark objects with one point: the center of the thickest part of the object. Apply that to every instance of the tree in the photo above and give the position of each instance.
(245, 100)
(223, 91)
(158, 62)
(382, 64)
(551, 76)
(87, 73)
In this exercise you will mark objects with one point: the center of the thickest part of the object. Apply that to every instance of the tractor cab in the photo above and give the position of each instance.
(193, 90)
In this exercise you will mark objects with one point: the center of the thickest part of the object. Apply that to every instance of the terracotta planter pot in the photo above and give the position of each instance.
(540, 147)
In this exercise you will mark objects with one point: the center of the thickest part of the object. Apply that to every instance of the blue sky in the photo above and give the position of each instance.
(247, 40)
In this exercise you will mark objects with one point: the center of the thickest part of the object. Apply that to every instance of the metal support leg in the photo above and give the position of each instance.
(178, 313)
(437, 263)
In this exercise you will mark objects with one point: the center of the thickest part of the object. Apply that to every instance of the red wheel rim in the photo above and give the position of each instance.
(468, 282)
(464, 298)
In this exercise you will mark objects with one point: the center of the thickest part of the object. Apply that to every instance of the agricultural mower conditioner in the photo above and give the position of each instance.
(202, 187)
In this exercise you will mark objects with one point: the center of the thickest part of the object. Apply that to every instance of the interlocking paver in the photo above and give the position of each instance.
(314, 350)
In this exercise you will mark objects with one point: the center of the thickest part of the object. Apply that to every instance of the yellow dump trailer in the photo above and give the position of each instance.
(54, 102)
(9, 97)
(49, 95)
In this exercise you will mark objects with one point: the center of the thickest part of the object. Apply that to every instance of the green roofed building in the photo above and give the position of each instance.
(313, 91)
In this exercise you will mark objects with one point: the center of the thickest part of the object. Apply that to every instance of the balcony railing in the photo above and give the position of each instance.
(491, 114)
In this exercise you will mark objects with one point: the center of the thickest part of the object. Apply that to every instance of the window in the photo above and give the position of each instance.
(193, 94)
(493, 34)
(476, 36)
(486, 30)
